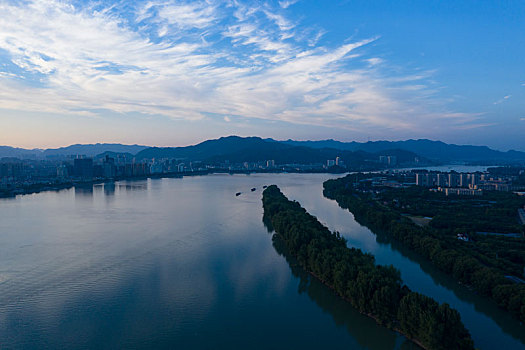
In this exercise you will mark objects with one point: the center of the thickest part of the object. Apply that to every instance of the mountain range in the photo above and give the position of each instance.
(253, 149)
(94, 149)
(240, 149)
(434, 150)
(89, 150)
(6, 151)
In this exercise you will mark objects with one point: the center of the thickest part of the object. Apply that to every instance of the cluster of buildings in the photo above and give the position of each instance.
(22, 173)
(449, 183)
(471, 184)
(334, 162)
(459, 191)
(382, 181)
(110, 168)
(60, 169)
(388, 160)
(17, 173)
(451, 179)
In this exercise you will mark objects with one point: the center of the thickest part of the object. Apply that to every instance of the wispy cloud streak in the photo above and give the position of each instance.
(501, 100)
(190, 59)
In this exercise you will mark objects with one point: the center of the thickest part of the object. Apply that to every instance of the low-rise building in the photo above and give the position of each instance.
(460, 191)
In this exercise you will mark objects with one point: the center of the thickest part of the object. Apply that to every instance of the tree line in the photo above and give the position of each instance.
(469, 266)
(373, 289)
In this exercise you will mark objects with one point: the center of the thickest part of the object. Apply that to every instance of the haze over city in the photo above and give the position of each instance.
(172, 73)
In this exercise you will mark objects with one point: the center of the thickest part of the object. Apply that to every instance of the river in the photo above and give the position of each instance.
(184, 263)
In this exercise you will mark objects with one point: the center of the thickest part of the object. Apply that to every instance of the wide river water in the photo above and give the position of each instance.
(186, 264)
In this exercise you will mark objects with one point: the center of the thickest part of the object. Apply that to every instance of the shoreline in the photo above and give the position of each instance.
(331, 287)
(38, 188)
(373, 290)
(54, 187)
(354, 205)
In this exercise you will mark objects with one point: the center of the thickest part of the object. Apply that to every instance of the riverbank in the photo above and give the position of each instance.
(466, 263)
(57, 186)
(280, 246)
(374, 290)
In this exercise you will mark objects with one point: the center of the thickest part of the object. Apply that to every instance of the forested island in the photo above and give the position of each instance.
(374, 290)
(467, 237)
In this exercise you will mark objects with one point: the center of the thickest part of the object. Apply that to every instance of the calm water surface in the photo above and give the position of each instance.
(184, 263)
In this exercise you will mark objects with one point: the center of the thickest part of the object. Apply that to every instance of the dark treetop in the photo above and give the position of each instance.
(373, 289)
(481, 263)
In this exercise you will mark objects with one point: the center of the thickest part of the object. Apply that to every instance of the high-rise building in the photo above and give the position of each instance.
(441, 180)
(474, 179)
(140, 169)
(3, 170)
(83, 168)
(422, 179)
(62, 171)
(390, 160)
(156, 168)
(453, 180)
(109, 168)
(464, 179)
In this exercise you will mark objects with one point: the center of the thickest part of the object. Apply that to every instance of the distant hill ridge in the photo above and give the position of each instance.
(235, 148)
(434, 150)
(6, 151)
(253, 149)
(92, 150)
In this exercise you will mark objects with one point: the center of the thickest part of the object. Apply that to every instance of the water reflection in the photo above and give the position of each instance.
(362, 328)
(267, 223)
(132, 187)
(481, 304)
(484, 319)
(109, 189)
(84, 191)
(8, 199)
(137, 266)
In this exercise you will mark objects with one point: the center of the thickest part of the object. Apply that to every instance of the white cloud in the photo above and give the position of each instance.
(186, 15)
(374, 61)
(287, 3)
(501, 100)
(10, 75)
(227, 119)
(251, 64)
(314, 39)
(280, 21)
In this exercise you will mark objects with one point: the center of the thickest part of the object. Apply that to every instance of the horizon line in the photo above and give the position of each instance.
(262, 138)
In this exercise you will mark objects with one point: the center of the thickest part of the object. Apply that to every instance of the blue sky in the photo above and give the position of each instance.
(168, 73)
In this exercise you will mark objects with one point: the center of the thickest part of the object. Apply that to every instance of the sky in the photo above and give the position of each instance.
(173, 73)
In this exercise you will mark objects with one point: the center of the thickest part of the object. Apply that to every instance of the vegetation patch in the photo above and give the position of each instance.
(481, 262)
(373, 289)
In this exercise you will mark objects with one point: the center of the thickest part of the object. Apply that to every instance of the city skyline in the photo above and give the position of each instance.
(174, 73)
